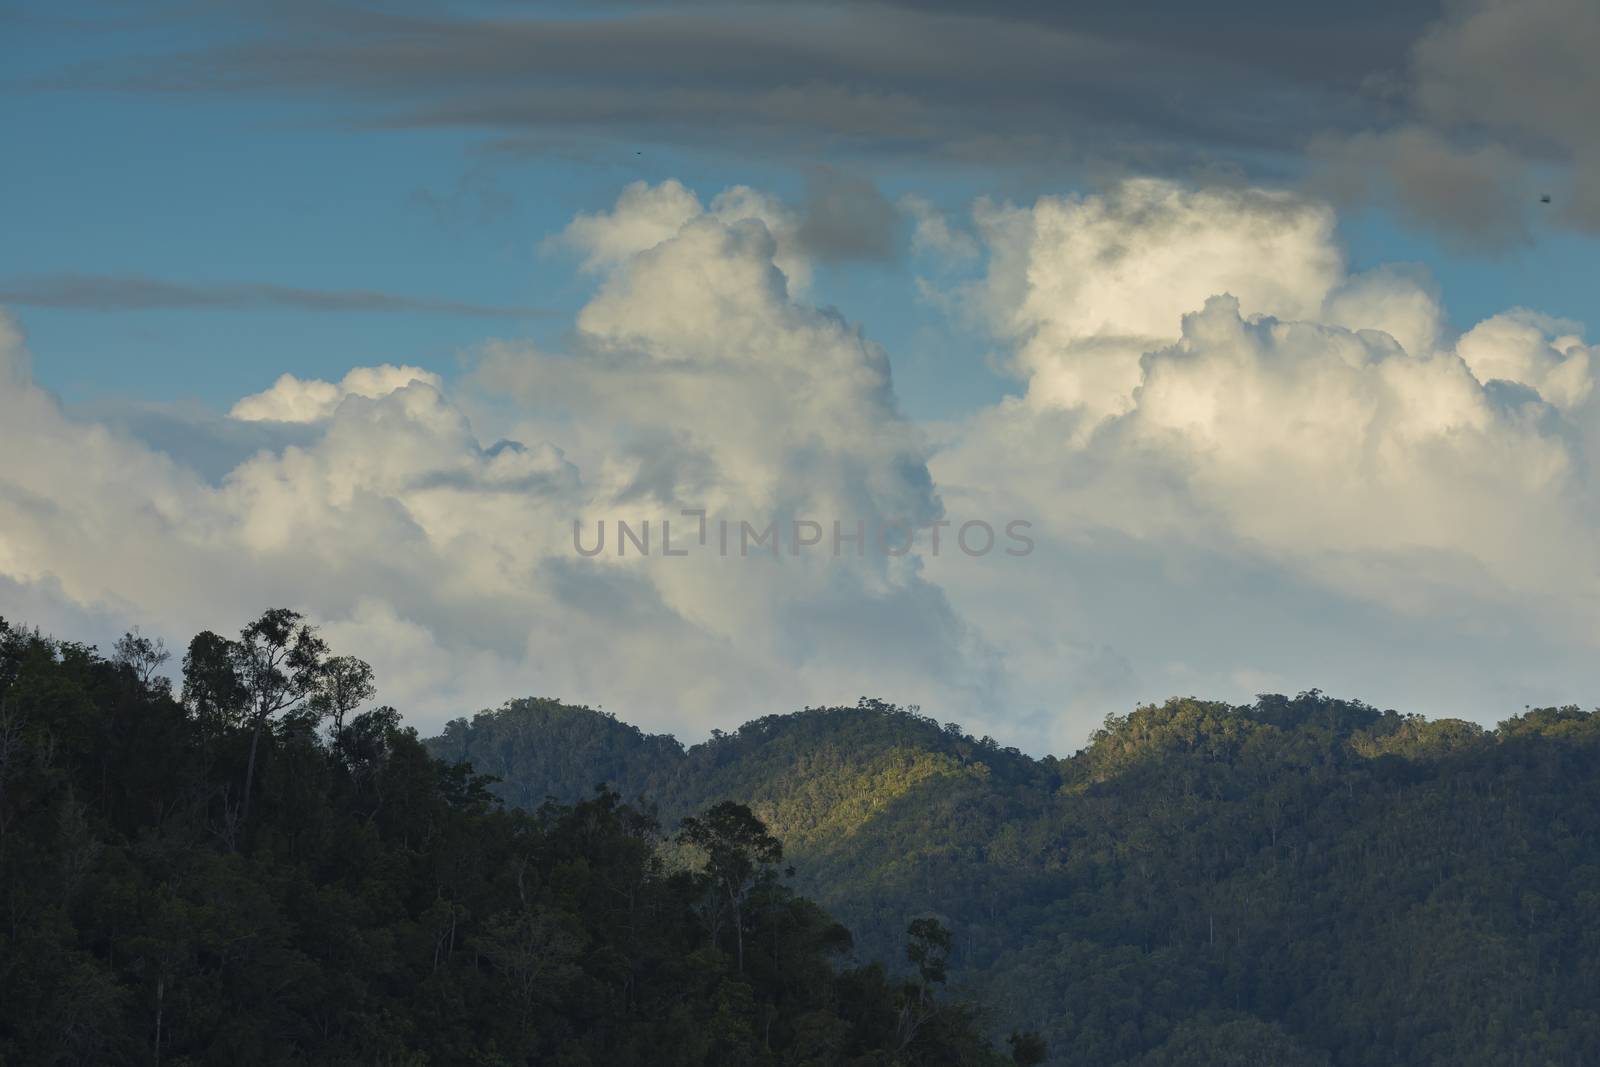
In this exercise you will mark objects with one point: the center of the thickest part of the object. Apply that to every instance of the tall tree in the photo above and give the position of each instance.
(344, 684)
(212, 690)
(928, 949)
(279, 661)
(144, 657)
(737, 847)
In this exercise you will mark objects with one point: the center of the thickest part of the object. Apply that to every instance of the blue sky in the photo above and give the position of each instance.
(204, 198)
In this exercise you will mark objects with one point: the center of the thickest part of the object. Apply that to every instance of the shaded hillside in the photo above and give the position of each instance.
(1301, 880)
(541, 748)
(254, 872)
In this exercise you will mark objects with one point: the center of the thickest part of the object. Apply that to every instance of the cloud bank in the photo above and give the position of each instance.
(99, 292)
(1246, 467)
(1458, 115)
(1494, 114)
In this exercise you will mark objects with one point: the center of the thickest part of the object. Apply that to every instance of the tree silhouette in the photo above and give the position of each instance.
(737, 846)
(212, 691)
(144, 657)
(344, 684)
(279, 661)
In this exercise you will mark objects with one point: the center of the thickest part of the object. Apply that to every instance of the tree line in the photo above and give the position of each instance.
(263, 868)
(1296, 881)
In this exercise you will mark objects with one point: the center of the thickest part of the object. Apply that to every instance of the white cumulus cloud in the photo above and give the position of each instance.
(294, 399)
(1242, 464)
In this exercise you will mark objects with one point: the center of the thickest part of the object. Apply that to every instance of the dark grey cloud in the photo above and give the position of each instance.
(1153, 85)
(98, 292)
(1476, 196)
(1495, 110)
(844, 217)
(1457, 113)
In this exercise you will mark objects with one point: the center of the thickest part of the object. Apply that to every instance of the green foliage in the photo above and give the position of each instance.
(378, 905)
(737, 849)
(1231, 1042)
(539, 748)
(1297, 881)
(928, 949)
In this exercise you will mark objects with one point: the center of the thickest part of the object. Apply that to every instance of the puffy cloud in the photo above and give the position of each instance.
(645, 215)
(1084, 285)
(1401, 301)
(1299, 434)
(446, 556)
(1544, 354)
(1212, 399)
(1245, 323)
(716, 389)
(294, 399)
(841, 217)
(696, 340)
(1244, 466)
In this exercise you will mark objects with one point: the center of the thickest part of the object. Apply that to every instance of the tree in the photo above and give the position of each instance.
(381, 910)
(143, 657)
(344, 684)
(928, 948)
(737, 846)
(279, 663)
(212, 690)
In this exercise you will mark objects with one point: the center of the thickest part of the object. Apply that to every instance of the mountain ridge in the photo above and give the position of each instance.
(1197, 870)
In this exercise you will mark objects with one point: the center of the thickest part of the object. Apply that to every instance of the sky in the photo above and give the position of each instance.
(1266, 323)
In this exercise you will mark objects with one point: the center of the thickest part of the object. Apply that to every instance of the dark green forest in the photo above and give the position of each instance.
(1300, 881)
(258, 863)
(258, 868)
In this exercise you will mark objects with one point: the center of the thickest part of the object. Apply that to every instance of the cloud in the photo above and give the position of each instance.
(1296, 400)
(845, 217)
(98, 292)
(1083, 286)
(840, 218)
(1546, 355)
(294, 399)
(717, 389)
(209, 442)
(1243, 465)
(1297, 452)
(1476, 195)
(1456, 116)
(946, 82)
(1494, 111)
(646, 215)
(441, 546)
(933, 235)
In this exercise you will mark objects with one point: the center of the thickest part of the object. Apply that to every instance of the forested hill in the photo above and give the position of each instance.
(260, 869)
(1298, 881)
